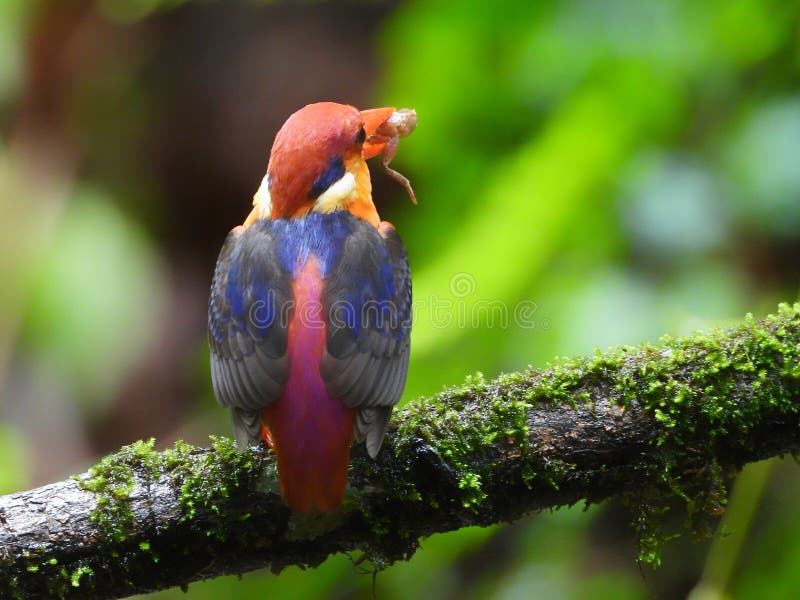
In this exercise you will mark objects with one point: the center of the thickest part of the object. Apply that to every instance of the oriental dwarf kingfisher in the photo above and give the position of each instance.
(310, 309)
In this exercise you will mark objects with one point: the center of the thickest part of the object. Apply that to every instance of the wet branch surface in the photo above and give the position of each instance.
(649, 423)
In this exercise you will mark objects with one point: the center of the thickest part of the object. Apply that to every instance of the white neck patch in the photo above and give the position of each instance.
(262, 199)
(338, 195)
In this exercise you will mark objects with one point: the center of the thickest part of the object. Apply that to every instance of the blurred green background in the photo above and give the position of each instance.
(604, 171)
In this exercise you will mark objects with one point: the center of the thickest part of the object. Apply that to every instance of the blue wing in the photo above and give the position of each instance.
(368, 301)
(248, 328)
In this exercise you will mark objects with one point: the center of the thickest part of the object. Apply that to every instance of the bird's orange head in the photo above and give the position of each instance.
(318, 163)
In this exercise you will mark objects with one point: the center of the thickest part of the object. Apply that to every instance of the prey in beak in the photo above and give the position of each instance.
(384, 127)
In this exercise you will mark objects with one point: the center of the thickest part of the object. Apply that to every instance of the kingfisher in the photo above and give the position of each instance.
(310, 308)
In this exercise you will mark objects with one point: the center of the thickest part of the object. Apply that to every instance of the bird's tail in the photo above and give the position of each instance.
(312, 467)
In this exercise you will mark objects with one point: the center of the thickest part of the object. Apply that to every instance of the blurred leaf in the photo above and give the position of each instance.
(763, 166)
(674, 207)
(129, 11)
(320, 582)
(433, 569)
(13, 461)
(768, 565)
(13, 16)
(96, 297)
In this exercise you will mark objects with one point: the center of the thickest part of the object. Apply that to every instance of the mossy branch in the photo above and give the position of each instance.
(650, 423)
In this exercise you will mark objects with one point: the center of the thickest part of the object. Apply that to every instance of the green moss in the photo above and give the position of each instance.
(208, 479)
(471, 484)
(205, 479)
(456, 433)
(78, 574)
(112, 480)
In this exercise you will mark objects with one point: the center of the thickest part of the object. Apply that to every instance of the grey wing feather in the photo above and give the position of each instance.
(371, 426)
(246, 426)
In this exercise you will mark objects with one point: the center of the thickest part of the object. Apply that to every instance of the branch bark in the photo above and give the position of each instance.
(650, 423)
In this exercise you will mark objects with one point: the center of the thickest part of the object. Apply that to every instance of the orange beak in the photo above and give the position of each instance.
(373, 119)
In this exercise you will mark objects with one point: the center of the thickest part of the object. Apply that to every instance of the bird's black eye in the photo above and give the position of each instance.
(361, 137)
(332, 173)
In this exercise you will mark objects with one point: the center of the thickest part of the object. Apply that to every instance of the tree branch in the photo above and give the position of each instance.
(649, 423)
